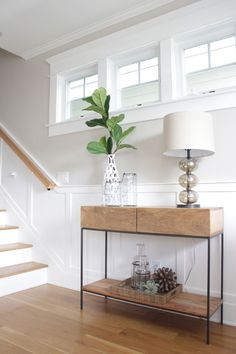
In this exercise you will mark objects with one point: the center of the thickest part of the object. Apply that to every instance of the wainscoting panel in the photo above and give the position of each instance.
(51, 221)
(15, 177)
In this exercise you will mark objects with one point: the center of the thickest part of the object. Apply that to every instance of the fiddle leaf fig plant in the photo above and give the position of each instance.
(113, 141)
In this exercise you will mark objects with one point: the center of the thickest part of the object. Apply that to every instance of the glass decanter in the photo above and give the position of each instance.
(140, 272)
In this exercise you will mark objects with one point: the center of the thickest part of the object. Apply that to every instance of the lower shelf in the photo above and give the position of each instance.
(185, 303)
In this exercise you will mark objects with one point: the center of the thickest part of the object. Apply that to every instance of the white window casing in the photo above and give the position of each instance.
(132, 89)
(76, 89)
(189, 25)
(206, 78)
(168, 78)
(208, 68)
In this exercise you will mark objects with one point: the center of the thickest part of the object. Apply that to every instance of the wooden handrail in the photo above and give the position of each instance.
(42, 176)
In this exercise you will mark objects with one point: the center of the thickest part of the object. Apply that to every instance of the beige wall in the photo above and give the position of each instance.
(24, 99)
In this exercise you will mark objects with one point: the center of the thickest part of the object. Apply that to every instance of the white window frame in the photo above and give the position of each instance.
(208, 44)
(194, 39)
(58, 91)
(210, 67)
(81, 74)
(136, 56)
(199, 22)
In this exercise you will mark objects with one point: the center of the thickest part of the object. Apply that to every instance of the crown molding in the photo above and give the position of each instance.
(101, 25)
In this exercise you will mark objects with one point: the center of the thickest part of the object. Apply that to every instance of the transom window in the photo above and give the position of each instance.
(138, 82)
(76, 90)
(211, 65)
(138, 73)
(145, 76)
(210, 55)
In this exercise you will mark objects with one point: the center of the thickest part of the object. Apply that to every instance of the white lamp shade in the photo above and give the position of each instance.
(188, 130)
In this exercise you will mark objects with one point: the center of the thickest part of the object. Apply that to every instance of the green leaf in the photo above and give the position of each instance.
(111, 122)
(96, 109)
(95, 147)
(127, 132)
(107, 105)
(128, 146)
(88, 99)
(109, 145)
(99, 97)
(103, 141)
(117, 133)
(95, 122)
(119, 118)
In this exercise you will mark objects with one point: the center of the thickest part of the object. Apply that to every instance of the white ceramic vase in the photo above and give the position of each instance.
(111, 183)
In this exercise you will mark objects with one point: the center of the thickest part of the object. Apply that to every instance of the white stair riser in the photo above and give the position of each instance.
(8, 236)
(3, 218)
(15, 257)
(22, 281)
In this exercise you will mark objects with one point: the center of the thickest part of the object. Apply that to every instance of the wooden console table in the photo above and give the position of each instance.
(202, 223)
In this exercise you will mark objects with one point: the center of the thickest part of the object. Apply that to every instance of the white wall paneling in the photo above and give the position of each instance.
(50, 220)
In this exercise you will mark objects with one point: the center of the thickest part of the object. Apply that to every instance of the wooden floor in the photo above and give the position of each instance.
(47, 320)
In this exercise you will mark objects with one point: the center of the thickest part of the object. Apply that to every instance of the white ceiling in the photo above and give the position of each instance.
(31, 27)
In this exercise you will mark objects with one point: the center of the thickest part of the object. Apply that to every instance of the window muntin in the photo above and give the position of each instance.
(210, 66)
(138, 82)
(129, 75)
(210, 55)
(137, 73)
(76, 90)
(170, 47)
(149, 70)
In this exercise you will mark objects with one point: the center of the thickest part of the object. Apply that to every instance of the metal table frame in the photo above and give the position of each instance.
(169, 235)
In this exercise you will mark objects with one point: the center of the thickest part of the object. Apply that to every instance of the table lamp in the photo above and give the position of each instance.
(188, 135)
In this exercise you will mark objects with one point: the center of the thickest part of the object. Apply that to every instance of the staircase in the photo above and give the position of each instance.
(17, 270)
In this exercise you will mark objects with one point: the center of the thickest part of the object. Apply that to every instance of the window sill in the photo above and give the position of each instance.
(220, 99)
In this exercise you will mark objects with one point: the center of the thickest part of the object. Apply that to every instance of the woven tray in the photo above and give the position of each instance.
(124, 289)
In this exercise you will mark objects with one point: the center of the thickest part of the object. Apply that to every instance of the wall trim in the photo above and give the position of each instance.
(66, 271)
(208, 186)
(98, 26)
(220, 99)
(154, 32)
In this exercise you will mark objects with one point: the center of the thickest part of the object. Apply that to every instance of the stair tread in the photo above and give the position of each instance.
(8, 227)
(20, 268)
(14, 246)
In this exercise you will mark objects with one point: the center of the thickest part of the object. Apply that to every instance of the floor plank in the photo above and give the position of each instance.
(47, 320)
(25, 342)
(9, 348)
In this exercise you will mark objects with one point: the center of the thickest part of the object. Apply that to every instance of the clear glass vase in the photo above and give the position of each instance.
(140, 272)
(111, 183)
(129, 189)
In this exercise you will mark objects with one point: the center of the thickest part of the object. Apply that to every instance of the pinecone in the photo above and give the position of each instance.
(165, 278)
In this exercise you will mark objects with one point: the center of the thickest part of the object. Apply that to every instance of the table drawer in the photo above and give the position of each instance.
(109, 218)
(203, 222)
